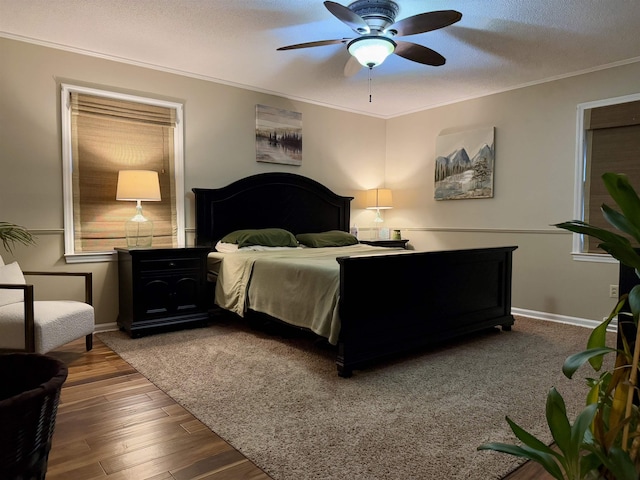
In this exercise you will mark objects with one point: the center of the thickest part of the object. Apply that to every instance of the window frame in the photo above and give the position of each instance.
(71, 256)
(577, 250)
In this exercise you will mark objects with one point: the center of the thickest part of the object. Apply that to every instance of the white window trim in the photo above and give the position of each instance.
(67, 173)
(578, 200)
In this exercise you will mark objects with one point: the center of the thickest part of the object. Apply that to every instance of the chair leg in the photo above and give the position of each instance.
(89, 341)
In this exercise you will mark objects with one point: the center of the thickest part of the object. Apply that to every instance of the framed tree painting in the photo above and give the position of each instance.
(464, 165)
(278, 136)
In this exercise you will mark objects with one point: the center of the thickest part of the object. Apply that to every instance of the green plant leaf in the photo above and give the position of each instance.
(593, 394)
(575, 361)
(578, 226)
(544, 459)
(529, 440)
(578, 429)
(622, 252)
(10, 234)
(620, 221)
(619, 463)
(616, 461)
(634, 302)
(620, 189)
(589, 463)
(598, 337)
(616, 245)
(558, 421)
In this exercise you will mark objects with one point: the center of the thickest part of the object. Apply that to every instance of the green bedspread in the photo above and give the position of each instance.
(298, 286)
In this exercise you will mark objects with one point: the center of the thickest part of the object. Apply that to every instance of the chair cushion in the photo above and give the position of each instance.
(11, 274)
(56, 322)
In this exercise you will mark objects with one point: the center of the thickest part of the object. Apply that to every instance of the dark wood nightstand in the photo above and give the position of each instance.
(161, 288)
(387, 243)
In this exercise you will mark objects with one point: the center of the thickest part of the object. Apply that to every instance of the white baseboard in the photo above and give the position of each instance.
(552, 317)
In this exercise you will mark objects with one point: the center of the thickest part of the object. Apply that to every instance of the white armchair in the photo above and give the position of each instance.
(41, 325)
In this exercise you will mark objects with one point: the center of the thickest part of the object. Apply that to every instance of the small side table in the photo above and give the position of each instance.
(387, 243)
(161, 288)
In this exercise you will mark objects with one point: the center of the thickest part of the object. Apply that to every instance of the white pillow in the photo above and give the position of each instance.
(264, 248)
(225, 247)
(11, 274)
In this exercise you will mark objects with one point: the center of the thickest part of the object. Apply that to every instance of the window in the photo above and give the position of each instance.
(103, 133)
(608, 141)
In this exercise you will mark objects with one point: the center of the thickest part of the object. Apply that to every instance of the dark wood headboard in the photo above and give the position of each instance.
(269, 200)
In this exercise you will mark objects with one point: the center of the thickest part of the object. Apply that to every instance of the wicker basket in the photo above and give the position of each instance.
(30, 387)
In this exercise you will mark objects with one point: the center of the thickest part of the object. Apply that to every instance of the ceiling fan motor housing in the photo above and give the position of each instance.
(374, 22)
(378, 14)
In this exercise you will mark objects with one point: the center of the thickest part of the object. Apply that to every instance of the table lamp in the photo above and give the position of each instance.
(138, 185)
(378, 199)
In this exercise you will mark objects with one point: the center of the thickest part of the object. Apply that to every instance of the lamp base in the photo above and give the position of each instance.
(139, 231)
(376, 229)
(378, 232)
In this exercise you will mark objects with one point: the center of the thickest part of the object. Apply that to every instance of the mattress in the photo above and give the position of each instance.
(299, 286)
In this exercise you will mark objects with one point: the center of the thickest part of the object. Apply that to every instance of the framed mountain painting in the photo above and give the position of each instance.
(464, 165)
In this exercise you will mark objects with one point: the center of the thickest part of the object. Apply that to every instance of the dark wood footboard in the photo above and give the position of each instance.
(397, 302)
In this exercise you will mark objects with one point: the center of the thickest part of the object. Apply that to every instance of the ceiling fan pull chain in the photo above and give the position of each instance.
(370, 68)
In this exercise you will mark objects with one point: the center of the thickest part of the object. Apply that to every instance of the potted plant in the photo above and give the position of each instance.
(603, 443)
(10, 234)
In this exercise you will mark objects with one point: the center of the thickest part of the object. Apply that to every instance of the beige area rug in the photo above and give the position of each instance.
(280, 402)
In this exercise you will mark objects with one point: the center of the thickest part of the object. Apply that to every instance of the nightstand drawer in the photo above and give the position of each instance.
(156, 265)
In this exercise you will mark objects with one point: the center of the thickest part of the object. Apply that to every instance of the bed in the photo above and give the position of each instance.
(387, 301)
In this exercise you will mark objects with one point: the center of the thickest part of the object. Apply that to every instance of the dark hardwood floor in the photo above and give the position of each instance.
(529, 471)
(114, 424)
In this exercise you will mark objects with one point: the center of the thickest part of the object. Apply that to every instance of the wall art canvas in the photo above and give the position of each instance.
(278, 136)
(465, 164)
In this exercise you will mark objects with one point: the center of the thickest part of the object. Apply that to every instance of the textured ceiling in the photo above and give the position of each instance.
(498, 45)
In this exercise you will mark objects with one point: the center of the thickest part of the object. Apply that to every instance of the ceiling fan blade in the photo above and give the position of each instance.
(419, 53)
(425, 22)
(319, 43)
(352, 66)
(353, 20)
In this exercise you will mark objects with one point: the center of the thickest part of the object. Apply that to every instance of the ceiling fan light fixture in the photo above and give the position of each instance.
(371, 50)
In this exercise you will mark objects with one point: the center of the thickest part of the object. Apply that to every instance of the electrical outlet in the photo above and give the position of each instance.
(613, 291)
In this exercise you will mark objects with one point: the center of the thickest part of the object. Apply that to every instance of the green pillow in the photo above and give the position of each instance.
(332, 238)
(268, 237)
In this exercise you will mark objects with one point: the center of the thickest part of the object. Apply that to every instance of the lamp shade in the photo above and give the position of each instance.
(371, 51)
(379, 199)
(138, 185)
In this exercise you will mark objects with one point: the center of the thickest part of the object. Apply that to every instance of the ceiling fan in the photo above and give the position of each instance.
(375, 23)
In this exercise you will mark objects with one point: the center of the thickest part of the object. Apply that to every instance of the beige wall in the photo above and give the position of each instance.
(342, 150)
(535, 156)
(535, 140)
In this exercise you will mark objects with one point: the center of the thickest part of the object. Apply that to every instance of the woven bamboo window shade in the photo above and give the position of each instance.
(109, 135)
(613, 145)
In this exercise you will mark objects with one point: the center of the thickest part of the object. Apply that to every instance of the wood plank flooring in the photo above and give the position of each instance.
(113, 424)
